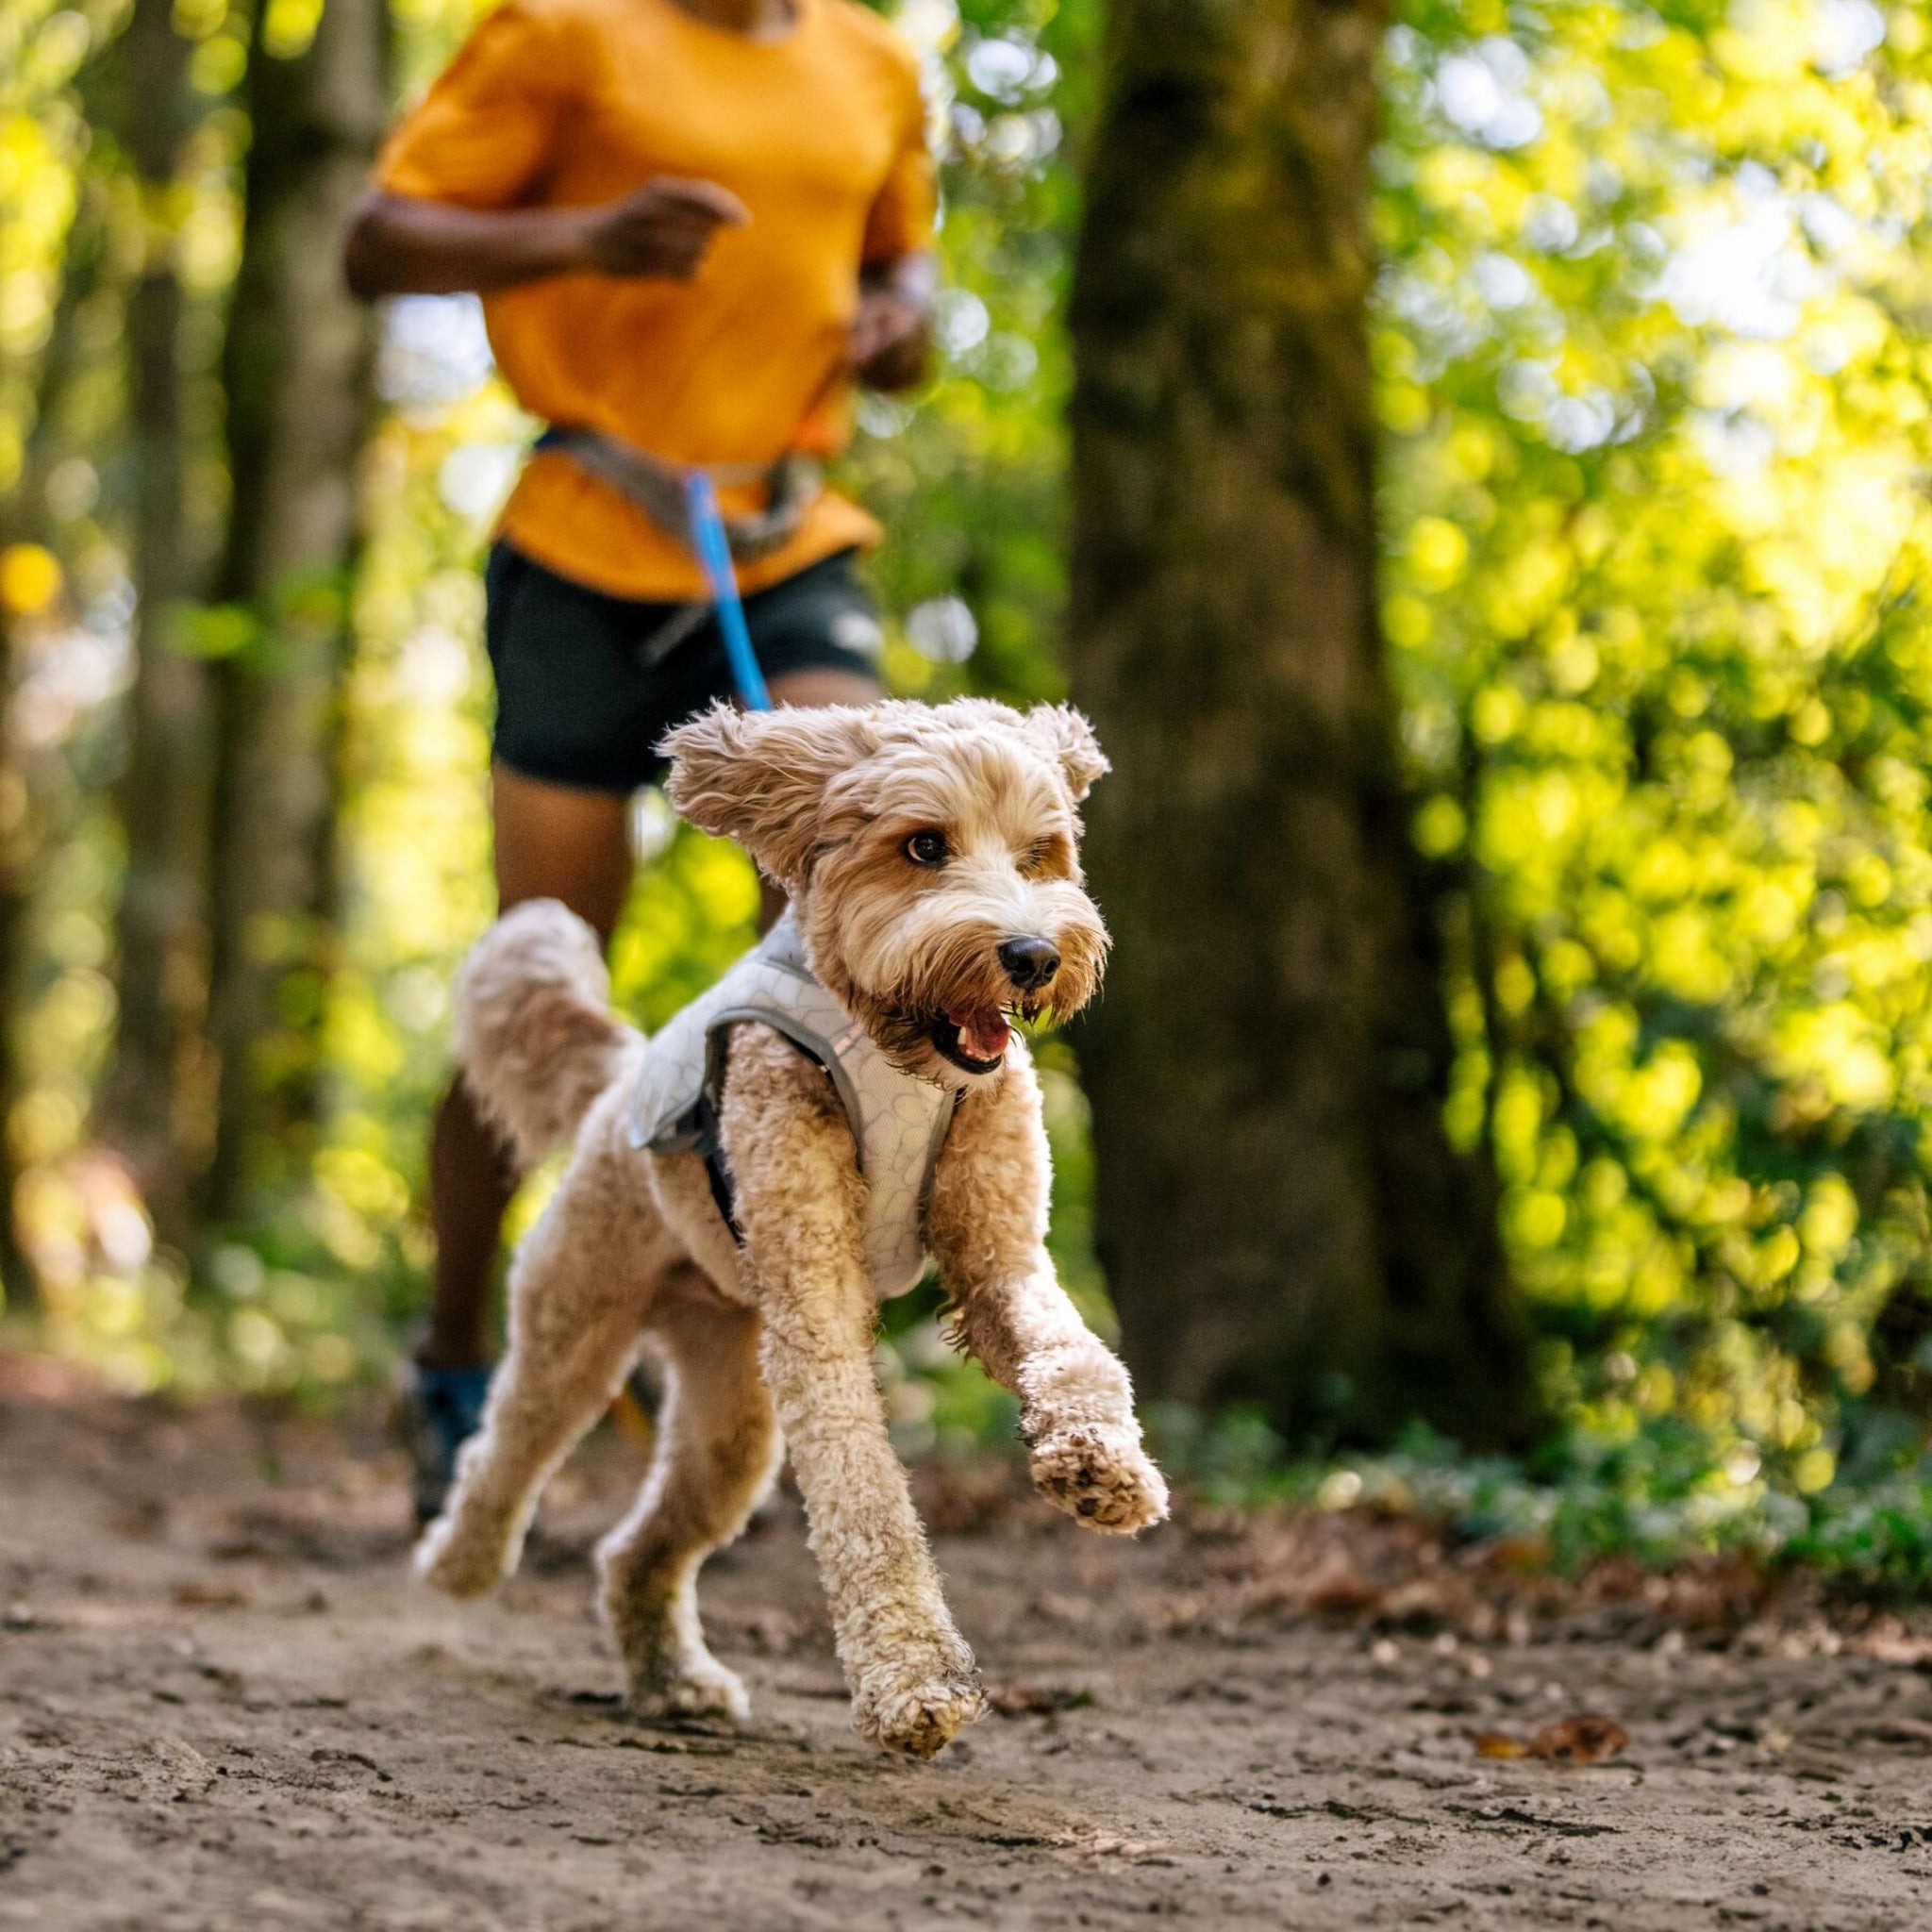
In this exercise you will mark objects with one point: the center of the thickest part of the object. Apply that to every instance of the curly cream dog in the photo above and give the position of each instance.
(931, 857)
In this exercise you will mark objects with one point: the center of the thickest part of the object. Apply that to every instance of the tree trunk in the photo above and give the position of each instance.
(298, 379)
(1280, 1216)
(24, 805)
(153, 1107)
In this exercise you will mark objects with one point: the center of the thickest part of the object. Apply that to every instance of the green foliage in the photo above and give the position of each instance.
(1658, 560)
(1653, 1494)
(970, 483)
(1650, 337)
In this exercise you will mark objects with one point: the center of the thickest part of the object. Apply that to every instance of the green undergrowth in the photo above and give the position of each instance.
(1660, 1495)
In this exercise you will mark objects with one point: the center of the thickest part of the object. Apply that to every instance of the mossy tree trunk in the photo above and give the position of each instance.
(298, 365)
(1280, 1215)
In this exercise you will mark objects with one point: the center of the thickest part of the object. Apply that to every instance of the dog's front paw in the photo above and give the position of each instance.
(698, 1686)
(1101, 1475)
(917, 1708)
(462, 1563)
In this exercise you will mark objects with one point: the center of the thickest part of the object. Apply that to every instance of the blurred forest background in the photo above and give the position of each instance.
(1473, 464)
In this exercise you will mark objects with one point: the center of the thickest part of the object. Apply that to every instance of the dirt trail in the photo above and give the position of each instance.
(224, 1706)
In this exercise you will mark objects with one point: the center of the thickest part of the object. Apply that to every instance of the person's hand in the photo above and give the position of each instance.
(663, 229)
(892, 338)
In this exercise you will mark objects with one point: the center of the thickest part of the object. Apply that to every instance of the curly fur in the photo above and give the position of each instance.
(534, 1030)
(778, 1335)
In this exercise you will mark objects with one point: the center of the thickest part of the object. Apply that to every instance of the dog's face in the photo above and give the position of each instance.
(932, 857)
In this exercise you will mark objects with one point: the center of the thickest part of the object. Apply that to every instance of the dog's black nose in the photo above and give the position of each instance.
(1030, 963)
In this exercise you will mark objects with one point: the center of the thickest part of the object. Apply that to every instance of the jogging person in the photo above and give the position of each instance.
(692, 224)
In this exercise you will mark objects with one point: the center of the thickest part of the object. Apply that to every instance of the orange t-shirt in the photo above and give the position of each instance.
(820, 133)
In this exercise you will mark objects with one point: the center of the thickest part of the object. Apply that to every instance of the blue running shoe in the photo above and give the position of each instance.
(438, 1410)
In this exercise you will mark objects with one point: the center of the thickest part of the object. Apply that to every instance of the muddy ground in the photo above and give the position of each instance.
(223, 1704)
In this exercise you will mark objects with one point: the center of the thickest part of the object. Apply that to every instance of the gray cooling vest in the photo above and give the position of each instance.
(898, 1123)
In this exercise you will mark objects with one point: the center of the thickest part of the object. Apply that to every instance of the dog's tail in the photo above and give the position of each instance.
(535, 1033)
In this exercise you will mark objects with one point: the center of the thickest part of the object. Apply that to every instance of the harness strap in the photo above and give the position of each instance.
(899, 1125)
(699, 1131)
(662, 489)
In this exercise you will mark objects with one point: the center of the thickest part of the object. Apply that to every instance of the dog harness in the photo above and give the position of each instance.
(899, 1122)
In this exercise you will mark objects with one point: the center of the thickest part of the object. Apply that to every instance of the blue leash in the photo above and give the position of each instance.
(714, 553)
(709, 540)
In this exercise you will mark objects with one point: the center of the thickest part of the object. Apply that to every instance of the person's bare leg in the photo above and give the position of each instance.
(472, 1178)
(553, 841)
(824, 686)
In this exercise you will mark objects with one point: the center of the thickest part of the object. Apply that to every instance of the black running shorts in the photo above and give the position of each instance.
(587, 684)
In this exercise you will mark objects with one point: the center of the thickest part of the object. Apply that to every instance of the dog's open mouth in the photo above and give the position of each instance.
(973, 1038)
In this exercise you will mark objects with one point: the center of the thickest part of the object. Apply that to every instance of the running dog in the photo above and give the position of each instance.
(747, 1184)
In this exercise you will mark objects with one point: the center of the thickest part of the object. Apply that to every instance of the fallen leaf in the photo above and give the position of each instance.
(1586, 1738)
(1498, 1744)
(214, 1596)
(1337, 1589)
(1428, 1603)
(1037, 1700)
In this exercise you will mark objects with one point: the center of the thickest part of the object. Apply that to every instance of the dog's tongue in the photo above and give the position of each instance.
(983, 1035)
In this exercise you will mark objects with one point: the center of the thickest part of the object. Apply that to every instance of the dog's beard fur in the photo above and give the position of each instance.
(916, 979)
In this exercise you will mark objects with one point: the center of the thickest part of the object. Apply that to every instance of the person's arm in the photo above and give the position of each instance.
(891, 334)
(401, 245)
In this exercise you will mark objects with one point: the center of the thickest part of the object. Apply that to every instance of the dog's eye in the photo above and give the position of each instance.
(926, 848)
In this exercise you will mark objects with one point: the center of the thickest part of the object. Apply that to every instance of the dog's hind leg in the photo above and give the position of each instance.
(578, 1292)
(717, 1451)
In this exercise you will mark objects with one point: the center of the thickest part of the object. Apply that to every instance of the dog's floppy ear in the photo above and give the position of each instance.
(759, 776)
(1070, 740)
